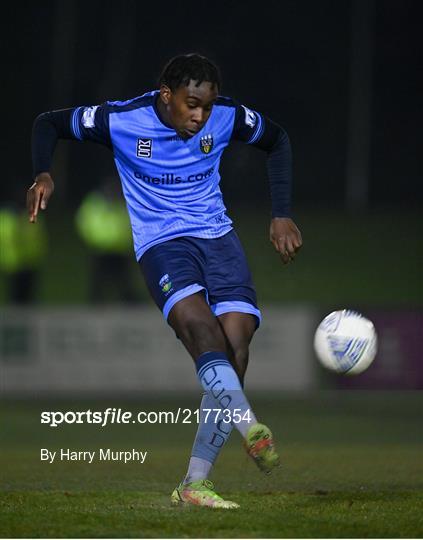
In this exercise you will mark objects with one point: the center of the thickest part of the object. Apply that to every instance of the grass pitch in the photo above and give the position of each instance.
(352, 467)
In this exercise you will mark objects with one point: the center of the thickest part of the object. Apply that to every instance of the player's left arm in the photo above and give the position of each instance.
(261, 132)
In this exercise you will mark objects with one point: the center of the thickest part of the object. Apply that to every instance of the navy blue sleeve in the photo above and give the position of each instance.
(248, 124)
(91, 124)
(81, 123)
(47, 128)
(253, 128)
(275, 142)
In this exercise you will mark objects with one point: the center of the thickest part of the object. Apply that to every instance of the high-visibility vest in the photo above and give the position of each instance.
(103, 224)
(23, 245)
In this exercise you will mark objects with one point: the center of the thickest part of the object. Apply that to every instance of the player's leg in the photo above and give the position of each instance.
(202, 334)
(233, 300)
(174, 276)
(203, 337)
(238, 330)
(171, 273)
(201, 331)
(196, 326)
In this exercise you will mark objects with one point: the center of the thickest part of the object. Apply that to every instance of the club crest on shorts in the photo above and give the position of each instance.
(206, 143)
(165, 284)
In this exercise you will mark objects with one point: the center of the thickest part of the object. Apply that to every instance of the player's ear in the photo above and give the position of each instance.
(165, 93)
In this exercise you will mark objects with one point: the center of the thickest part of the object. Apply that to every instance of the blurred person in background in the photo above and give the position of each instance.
(102, 223)
(167, 146)
(22, 251)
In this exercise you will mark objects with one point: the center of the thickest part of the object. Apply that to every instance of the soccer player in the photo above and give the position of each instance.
(167, 146)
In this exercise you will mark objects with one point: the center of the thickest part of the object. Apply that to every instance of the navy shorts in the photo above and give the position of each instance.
(178, 268)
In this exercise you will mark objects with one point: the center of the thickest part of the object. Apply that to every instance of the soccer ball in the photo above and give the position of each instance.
(345, 342)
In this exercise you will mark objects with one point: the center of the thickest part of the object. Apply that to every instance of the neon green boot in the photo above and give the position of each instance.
(259, 445)
(200, 493)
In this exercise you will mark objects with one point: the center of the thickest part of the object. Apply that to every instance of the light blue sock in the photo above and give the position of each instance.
(209, 441)
(222, 384)
(210, 436)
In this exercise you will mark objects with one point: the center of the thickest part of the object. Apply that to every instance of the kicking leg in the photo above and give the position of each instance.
(238, 330)
(204, 337)
(200, 331)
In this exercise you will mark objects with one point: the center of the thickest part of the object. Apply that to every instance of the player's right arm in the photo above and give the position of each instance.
(80, 123)
(253, 128)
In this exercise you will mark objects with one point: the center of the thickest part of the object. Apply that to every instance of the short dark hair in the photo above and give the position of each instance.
(180, 70)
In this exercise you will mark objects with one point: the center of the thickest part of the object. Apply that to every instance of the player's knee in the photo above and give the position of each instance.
(200, 336)
(240, 361)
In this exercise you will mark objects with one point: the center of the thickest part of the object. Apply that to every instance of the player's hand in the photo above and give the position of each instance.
(38, 195)
(286, 238)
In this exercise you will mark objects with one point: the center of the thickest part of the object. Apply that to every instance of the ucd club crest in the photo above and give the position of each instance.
(165, 284)
(206, 143)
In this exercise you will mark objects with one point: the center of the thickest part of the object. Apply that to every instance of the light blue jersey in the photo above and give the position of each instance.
(171, 185)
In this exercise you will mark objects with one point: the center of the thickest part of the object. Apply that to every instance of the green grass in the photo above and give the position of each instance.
(352, 467)
(137, 514)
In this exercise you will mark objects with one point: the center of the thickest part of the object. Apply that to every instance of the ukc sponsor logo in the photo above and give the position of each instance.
(144, 148)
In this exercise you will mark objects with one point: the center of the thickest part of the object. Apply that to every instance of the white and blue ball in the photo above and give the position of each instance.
(345, 342)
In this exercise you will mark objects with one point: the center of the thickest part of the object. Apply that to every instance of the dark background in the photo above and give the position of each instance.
(290, 60)
(342, 77)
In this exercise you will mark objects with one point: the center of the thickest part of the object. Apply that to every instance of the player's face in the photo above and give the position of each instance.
(188, 107)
